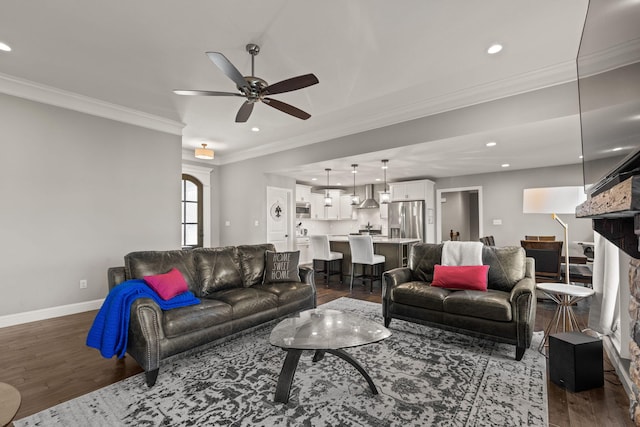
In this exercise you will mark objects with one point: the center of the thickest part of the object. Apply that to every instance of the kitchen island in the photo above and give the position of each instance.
(395, 251)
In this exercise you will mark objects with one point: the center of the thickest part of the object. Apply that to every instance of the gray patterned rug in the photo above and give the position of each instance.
(425, 376)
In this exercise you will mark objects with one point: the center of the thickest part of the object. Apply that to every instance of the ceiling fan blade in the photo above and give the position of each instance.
(293, 83)
(228, 68)
(244, 112)
(286, 108)
(205, 93)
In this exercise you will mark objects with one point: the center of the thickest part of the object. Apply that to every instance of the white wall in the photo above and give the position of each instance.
(77, 193)
(502, 194)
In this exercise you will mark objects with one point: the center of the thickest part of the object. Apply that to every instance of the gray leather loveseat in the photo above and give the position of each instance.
(506, 312)
(229, 282)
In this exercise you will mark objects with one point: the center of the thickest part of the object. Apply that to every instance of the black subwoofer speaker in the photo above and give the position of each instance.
(575, 361)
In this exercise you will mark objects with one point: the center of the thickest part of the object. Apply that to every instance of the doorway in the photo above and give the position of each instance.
(459, 213)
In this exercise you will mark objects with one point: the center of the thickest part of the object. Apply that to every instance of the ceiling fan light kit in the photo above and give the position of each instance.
(255, 89)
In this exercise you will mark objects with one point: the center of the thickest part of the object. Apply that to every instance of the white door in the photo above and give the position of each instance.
(279, 205)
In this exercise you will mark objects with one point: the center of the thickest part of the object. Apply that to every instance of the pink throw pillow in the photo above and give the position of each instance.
(167, 285)
(464, 277)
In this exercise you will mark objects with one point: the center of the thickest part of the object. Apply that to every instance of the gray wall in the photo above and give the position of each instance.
(78, 192)
(502, 199)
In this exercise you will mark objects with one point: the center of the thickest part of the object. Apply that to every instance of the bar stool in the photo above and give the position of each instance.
(565, 296)
(362, 253)
(322, 253)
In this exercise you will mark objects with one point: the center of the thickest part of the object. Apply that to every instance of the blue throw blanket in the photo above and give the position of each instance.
(109, 332)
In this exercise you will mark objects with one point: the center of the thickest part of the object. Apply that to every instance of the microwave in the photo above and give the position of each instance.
(303, 210)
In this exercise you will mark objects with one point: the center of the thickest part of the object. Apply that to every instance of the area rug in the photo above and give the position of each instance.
(425, 376)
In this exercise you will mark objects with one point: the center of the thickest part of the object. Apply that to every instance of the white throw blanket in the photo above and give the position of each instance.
(462, 253)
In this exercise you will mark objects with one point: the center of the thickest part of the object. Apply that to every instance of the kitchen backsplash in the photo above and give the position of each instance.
(370, 216)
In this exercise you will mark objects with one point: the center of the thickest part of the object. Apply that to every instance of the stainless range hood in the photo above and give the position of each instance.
(369, 202)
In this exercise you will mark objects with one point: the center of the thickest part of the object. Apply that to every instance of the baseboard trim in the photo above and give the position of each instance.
(620, 365)
(49, 313)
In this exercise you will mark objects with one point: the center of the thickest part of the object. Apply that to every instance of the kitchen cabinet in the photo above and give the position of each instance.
(318, 210)
(409, 190)
(303, 193)
(346, 209)
(384, 207)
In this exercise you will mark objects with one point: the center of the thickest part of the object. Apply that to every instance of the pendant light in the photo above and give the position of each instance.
(385, 197)
(327, 197)
(355, 199)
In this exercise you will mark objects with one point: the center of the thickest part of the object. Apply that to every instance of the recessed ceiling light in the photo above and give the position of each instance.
(378, 179)
(255, 129)
(505, 165)
(492, 144)
(338, 183)
(580, 156)
(5, 47)
(617, 149)
(314, 179)
(494, 48)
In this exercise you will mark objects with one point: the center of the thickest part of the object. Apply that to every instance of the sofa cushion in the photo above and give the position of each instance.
(422, 258)
(419, 294)
(148, 263)
(245, 302)
(460, 277)
(491, 305)
(281, 267)
(507, 266)
(252, 262)
(287, 292)
(167, 285)
(179, 321)
(218, 269)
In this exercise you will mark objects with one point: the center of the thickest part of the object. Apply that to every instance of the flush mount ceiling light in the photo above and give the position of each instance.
(491, 144)
(505, 165)
(385, 197)
(255, 129)
(494, 48)
(204, 153)
(5, 47)
(355, 199)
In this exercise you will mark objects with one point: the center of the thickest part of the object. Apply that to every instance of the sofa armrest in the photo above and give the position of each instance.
(306, 276)
(523, 303)
(392, 278)
(145, 333)
(115, 276)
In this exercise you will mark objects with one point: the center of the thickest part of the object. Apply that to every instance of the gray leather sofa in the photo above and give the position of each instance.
(229, 282)
(506, 312)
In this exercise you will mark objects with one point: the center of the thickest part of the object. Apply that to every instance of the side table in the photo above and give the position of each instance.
(563, 320)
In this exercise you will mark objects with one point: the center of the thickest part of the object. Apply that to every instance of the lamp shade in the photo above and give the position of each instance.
(204, 153)
(548, 200)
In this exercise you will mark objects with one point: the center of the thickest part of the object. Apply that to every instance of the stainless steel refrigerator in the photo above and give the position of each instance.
(406, 219)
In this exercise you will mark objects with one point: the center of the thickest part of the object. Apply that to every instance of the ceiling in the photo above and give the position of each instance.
(378, 63)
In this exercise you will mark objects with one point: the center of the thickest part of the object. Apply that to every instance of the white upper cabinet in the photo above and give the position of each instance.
(409, 190)
(318, 210)
(303, 193)
(346, 210)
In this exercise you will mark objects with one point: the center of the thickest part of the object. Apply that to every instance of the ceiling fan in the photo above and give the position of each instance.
(254, 88)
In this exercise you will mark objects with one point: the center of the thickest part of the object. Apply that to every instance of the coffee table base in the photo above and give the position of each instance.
(291, 363)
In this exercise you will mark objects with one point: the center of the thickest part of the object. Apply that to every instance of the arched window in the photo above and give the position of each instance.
(191, 230)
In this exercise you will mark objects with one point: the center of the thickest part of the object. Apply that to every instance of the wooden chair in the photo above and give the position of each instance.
(541, 238)
(488, 241)
(547, 256)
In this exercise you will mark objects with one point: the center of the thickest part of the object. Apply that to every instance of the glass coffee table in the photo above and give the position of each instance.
(323, 331)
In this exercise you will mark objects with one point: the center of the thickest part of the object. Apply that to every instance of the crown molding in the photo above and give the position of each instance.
(26, 89)
(424, 106)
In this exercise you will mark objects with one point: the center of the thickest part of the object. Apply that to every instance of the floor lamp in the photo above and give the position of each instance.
(554, 200)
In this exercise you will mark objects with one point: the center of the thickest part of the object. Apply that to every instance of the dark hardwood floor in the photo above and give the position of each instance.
(49, 363)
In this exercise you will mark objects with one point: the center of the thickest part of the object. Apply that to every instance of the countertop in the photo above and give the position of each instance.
(376, 239)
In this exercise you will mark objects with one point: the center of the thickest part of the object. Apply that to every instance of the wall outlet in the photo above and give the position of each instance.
(497, 222)
(227, 223)
(256, 223)
(83, 284)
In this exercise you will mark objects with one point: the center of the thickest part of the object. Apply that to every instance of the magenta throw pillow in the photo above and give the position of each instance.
(464, 277)
(167, 285)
